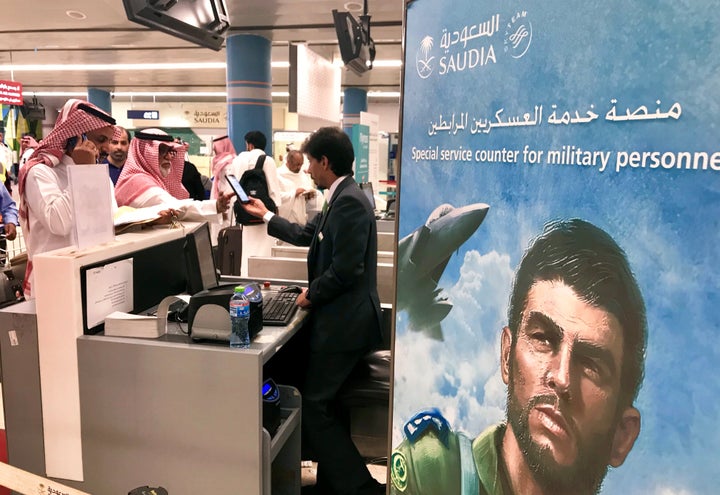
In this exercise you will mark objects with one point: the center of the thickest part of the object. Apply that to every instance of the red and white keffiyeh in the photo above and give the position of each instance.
(225, 153)
(76, 118)
(142, 168)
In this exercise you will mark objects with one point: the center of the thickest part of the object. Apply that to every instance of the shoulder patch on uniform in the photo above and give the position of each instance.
(432, 418)
(399, 471)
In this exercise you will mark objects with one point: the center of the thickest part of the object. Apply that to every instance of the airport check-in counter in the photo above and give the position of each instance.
(289, 251)
(290, 262)
(268, 267)
(386, 226)
(109, 414)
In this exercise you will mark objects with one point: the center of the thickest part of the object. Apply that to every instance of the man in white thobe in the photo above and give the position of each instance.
(255, 239)
(297, 189)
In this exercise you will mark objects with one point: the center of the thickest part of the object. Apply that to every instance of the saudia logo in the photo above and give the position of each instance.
(518, 35)
(423, 60)
(471, 47)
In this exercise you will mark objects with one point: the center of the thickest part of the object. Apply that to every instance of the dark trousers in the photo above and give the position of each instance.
(341, 468)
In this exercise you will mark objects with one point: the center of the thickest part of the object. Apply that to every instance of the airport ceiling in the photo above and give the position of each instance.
(69, 32)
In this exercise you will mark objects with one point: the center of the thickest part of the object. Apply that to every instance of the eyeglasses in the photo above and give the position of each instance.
(165, 150)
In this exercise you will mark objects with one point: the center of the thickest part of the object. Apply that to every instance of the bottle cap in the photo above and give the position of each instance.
(239, 288)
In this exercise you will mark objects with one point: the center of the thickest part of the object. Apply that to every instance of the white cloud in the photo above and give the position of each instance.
(460, 375)
(667, 490)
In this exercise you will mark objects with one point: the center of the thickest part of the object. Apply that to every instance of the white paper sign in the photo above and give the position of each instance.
(109, 288)
(91, 196)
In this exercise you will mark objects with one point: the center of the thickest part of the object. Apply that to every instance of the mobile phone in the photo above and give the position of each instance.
(72, 142)
(239, 191)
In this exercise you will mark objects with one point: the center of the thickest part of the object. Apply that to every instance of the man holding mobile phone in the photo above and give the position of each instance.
(345, 321)
(255, 238)
(81, 136)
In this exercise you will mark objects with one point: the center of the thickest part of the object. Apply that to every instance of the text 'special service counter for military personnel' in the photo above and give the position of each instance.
(110, 414)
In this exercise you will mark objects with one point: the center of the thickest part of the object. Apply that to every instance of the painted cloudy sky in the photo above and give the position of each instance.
(665, 220)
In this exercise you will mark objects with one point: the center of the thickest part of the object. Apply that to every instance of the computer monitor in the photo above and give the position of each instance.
(357, 48)
(203, 22)
(200, 261)
(157, 271)
(367, 188)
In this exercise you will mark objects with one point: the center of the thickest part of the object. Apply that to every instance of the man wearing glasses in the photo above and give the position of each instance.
(152, 176)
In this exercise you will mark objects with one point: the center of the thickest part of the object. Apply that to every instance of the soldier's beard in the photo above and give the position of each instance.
(584, 476)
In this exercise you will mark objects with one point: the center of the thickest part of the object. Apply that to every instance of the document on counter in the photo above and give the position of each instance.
(109, 288)
(127, 217)
(124, 324)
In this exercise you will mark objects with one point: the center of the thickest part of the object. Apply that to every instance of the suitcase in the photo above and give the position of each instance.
(229, 250)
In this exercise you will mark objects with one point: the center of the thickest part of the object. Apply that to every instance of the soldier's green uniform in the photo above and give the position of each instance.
(435, 460)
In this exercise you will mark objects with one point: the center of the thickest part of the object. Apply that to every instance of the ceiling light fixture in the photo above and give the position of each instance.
(76, 14)
(136, 67)
(387, 63)
(185, 94)
(68, 94)
(182, 94)
(111, 67)
(338, 62)
(383, 94)
(174, 94)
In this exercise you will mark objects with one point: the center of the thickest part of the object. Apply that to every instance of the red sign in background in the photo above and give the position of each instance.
(10, 93)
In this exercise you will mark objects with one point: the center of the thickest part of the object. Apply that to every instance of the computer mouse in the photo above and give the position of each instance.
(292, 288)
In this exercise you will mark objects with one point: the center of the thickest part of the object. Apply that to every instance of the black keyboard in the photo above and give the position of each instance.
(279, 309)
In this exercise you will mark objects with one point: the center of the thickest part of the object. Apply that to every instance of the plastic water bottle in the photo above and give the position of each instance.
(240, 319)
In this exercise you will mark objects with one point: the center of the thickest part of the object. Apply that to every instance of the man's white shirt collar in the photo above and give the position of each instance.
(333, 187)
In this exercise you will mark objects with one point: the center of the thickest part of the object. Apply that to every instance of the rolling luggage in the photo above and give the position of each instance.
(229, 250)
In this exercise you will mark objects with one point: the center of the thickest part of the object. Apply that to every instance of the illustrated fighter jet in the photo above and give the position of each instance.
(422, 258)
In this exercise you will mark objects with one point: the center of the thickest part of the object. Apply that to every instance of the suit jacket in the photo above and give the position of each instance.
(342, 270)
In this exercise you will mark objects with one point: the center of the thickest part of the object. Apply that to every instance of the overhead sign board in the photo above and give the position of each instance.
(143, 114)
(10, 93)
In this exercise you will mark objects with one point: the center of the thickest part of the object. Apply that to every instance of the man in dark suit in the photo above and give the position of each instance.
(345, 307)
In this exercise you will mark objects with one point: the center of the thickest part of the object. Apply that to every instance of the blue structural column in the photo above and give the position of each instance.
(100, 98)
(249, 88)
(354, 102)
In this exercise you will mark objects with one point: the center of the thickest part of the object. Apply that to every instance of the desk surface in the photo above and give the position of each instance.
(266, 342)
(173, 412)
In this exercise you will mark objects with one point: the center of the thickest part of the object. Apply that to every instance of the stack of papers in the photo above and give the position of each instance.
(149, 326)
(121, 324)
(126, 217)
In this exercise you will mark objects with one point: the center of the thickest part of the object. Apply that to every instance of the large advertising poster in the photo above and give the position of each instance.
(581, 139)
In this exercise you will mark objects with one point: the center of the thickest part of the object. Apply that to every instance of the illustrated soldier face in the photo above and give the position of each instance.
(564, 378)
